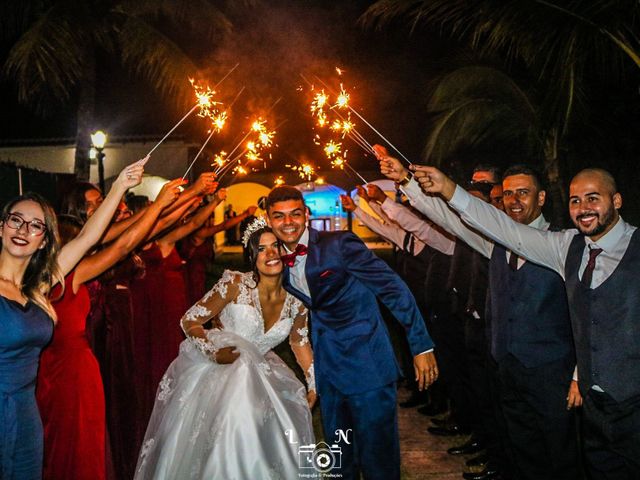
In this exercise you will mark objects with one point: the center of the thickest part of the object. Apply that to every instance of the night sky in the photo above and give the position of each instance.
(389, 73)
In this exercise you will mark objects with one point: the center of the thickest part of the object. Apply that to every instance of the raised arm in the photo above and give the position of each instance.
(426, 232)
(301, 347)
(195, 222)
(545, 248)
(391, 232)
(93, 265)
(208, 307)
(77, 248)
(205, 232)
(430, 205)
(206, 182)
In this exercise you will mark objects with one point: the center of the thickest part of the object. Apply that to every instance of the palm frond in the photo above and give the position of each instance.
(198, 16)
(48, 57)
(154, 57)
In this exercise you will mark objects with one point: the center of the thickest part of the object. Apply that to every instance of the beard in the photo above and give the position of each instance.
(602, 223)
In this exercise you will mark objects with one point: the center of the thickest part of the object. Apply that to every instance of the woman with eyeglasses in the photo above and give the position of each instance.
(31, 262)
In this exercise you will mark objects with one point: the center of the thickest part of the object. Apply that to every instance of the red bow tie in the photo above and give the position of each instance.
(290, 259)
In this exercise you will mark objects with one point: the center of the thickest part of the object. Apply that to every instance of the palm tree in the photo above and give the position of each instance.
(560, 45)
(481, 108)
(54, 54)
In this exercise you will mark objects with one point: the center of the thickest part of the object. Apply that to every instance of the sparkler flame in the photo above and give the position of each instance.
(205, 102)
(219, 121)
(220, 159)
(279, 181)
(305, 171)
(331, 149)
(343, 98)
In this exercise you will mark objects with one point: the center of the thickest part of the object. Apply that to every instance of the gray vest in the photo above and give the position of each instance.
(529, 312)
(606, 323)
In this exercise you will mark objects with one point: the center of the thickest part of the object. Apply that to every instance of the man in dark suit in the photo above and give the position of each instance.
(356, 371)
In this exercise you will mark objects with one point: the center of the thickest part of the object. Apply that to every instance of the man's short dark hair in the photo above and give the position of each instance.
(282, 193)
(524, 169)
(487, 167)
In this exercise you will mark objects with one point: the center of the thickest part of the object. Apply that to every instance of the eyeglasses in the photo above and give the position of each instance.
(35, 227)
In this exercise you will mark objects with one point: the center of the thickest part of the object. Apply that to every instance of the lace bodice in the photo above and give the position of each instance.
(235, 301)
(244, 317)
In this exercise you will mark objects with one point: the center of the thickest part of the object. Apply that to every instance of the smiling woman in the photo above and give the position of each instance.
(27, 265)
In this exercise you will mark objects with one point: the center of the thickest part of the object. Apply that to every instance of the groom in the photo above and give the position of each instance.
(338, 279)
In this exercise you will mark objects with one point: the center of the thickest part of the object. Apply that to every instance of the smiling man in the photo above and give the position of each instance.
(599, 263)
(531, 339)
(339, 279)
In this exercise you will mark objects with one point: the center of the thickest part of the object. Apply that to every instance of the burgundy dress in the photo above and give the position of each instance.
(118, 366)
(70, 394)
(198, 258)
(159, 302)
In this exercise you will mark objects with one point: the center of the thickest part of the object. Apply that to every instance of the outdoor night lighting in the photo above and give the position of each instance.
(98, 140)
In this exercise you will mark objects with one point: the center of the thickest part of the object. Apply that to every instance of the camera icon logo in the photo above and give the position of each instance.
(321, 457)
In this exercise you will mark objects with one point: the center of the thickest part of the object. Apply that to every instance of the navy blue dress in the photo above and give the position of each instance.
(24, 332)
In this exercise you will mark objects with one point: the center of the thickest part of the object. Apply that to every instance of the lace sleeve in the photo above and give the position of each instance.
(300, 345)
(223, 293)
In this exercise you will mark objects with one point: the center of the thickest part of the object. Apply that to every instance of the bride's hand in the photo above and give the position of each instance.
(312, 397)
(227, 355)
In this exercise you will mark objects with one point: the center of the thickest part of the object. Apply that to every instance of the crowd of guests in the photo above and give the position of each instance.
(530, 321)
(115, 277)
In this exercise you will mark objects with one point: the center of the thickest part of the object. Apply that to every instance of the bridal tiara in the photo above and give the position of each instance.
(254, 226)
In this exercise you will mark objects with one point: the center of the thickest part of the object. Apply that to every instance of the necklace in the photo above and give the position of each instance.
(18, 286)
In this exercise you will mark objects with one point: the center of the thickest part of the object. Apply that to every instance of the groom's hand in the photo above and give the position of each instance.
(426, 369)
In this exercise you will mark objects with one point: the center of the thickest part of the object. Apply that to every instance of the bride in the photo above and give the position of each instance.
(228, 407)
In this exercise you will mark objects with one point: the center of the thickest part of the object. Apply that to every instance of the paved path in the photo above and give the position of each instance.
(424, 456)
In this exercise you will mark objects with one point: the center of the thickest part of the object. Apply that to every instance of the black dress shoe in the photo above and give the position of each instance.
(489, 473)
(448, 430)
(469, 447)
(439, 422)
(431, 410)
(478, 461)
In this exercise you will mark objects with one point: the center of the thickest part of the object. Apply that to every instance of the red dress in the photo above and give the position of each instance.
(197, 258)
(70, 394)
(159, 302)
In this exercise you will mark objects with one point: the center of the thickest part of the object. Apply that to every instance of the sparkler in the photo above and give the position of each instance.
(347, 105)
(204, 103)
(305, 171)
(278, 181)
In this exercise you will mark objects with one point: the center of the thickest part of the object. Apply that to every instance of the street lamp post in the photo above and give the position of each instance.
(98, 140)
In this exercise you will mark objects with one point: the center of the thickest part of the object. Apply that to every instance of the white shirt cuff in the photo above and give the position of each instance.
(426, 351)
(460, 199)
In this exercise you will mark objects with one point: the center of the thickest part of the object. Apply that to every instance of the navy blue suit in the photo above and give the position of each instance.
(355, 365)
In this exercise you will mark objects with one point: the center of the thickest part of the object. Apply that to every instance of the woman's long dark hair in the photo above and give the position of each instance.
(42, 270)
(74, 202)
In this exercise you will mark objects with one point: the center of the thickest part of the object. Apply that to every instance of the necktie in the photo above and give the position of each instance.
(290, 259)
(513, 260)
(591, 265)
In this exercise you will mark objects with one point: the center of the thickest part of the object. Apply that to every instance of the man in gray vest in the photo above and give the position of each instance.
(599, 262)
(530, 331)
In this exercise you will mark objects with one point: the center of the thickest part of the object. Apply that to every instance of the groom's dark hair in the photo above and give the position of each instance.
(283, 193)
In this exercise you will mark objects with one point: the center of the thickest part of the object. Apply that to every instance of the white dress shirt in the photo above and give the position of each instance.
(389, 230)
(421, 229)
(297, 276)
(545, 248)
(440, 213)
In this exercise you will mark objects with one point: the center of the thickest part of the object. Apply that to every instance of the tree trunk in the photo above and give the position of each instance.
(556, 187)
(86, 108)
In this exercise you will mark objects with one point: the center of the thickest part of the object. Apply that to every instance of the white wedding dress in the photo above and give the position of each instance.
(240, 421)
